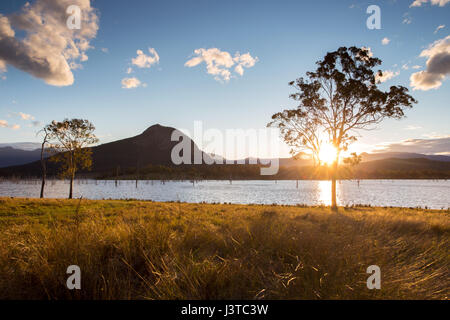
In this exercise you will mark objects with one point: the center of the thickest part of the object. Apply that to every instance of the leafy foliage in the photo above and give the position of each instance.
(336, 100)
(71, 138)
(339, 98)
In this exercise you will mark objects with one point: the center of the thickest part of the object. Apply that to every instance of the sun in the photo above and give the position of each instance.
(327, 154)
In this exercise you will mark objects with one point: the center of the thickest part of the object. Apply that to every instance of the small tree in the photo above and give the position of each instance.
(340, 98)
(71, 139)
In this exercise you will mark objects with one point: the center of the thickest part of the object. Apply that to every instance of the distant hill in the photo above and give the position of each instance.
(150, 154)
(404, 164)
(153, 146)
(402, 155)
(10, 156)
(27, 146)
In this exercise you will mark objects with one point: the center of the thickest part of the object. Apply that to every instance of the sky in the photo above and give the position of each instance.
(224, 63)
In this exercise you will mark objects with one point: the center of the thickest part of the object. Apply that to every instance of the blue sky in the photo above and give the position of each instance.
(286, 37)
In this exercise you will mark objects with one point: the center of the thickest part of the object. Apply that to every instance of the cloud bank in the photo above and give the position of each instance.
(49, 50)
(424, 146)
(440, 3)
(218, 63)
(438, 66)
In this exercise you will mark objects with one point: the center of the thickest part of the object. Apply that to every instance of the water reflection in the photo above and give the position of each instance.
(324, 192)
(398, 193)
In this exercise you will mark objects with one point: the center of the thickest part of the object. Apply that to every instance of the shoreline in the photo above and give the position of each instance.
(328, 207)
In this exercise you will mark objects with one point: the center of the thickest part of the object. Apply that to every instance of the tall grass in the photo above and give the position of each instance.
(145, 250)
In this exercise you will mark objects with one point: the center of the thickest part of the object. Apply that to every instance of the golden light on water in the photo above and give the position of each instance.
(324, 192)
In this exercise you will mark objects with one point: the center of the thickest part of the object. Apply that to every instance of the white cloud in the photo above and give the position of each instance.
(424, 146)
(244, 61)
(105, 50)
(129, 70)
(386, 75)
(3, 69)
(442, 26)
(385, 41)
(48, 48)
(4, 124)
(438, 66)
(416, 67)
(129, 83)
(436, 135)
(25, 116)
(440, 3)
(145, 61)
(2, 66)
(218, 63)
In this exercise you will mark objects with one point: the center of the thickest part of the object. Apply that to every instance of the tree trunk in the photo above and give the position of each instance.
(71, 187)
(44, 165)
(334, 206)
(42, 186)
(72, 174)
(333, 192)
(44, 174)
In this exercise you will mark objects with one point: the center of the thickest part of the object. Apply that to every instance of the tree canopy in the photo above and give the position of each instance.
(336, 100)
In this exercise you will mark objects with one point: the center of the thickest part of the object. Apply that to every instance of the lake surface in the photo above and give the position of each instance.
(399, 193)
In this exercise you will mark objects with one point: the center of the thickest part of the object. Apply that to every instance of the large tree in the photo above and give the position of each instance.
(336, 100)
(71, 139)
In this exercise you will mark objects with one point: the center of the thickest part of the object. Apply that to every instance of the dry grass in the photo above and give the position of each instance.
(146, 250)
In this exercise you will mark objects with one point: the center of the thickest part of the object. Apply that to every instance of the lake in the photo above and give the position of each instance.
(398, 193)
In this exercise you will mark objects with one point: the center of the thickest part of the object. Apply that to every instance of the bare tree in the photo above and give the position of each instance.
(72, 138)
(342, 97)
(43, 159)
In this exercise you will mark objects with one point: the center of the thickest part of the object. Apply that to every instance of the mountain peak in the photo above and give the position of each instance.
(157, 128)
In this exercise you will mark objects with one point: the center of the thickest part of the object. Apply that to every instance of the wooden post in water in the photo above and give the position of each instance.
(297, 184)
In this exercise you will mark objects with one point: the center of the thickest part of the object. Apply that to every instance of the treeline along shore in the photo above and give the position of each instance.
(380, 169)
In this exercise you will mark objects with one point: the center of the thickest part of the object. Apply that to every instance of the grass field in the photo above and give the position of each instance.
(146, 250)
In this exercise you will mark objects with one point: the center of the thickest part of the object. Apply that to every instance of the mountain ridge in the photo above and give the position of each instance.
(153, 147)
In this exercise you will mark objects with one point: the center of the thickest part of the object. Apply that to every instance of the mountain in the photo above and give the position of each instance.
(150, 153)
(153, 146)
(27, 146)
(10, 156)
(402, 155)
(398, 164)
(303, 160)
